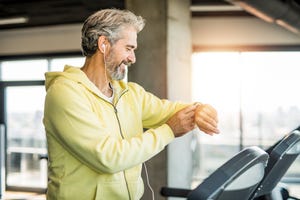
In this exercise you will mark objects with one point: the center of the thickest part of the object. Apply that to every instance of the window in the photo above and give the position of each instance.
(59, 63)
(256, 96)
(23, 70)
(25, 137)
(22, 89)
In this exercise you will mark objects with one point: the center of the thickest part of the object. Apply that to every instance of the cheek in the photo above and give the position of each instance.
(117, 57)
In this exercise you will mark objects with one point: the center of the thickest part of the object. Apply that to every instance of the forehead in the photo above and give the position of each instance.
(128, 37)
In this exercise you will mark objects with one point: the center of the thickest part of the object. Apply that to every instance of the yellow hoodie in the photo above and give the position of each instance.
(96, 148)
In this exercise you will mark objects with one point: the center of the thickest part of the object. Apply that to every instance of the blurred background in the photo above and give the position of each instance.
(241, 56)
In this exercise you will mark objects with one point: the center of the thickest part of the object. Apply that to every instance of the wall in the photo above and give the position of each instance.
(163, 56)
(205, 31)
(221, 31)
(40, 40)
(179, 49)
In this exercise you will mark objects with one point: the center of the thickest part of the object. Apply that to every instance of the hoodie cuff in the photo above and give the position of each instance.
(166, 133)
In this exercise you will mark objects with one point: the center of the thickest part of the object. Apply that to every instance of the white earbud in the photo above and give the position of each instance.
(103, 47)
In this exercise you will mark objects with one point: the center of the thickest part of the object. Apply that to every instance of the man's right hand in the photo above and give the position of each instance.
(183, 121)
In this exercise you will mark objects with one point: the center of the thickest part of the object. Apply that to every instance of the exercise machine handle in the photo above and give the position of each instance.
(174, 192)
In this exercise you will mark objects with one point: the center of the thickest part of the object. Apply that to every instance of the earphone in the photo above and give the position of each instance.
(103, 47)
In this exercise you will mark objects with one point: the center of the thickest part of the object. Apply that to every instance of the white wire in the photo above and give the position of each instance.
(104, 60)
(148, 182)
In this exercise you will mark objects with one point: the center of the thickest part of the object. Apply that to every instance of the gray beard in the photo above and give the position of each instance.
(117, 75)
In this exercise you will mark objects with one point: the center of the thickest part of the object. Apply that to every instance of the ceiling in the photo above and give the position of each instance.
(32, 13)
(50, 12)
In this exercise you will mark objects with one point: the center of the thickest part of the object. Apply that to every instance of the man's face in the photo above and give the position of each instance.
(122, 54)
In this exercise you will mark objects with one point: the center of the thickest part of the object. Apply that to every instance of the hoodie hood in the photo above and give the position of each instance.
(77, 75)
(70, 73)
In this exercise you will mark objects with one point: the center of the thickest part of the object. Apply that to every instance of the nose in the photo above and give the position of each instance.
(131, 57)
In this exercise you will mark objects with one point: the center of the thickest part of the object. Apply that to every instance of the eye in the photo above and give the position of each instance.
(130, 48)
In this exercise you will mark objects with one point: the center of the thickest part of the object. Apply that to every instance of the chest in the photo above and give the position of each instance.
(122, 119)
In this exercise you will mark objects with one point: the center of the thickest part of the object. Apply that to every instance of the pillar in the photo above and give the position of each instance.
(163, 67)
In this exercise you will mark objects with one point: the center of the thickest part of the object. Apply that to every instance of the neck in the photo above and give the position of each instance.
(95, 70)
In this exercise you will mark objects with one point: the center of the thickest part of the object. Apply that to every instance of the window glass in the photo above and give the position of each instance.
(270, 101)
(26, 139)
(23, 70)
(58, 64)
(256, 95)
(214, 83)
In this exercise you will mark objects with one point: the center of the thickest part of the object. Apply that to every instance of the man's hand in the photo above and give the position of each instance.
(206, 119)
(183, 121)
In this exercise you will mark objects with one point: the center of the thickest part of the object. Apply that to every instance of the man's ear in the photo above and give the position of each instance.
(102, 44)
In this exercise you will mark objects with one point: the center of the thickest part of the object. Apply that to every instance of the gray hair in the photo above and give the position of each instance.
(109, 23)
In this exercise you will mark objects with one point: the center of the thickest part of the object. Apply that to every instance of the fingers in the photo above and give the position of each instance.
(186, 118)
(187, 115)
(202, 115)
(189, 110)
(209, 130)
(183, 121)
(206, 119)
(211, 113)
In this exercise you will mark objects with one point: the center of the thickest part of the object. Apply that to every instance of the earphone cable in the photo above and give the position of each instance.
(148, 182)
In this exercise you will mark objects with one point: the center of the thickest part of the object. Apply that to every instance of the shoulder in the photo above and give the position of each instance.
(64, 91)
(135, 86)
(137, 90)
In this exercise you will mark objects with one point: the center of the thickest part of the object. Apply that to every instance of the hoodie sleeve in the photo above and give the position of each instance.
(155, 111)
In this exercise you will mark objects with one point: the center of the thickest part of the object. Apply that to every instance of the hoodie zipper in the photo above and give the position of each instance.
(121, 133)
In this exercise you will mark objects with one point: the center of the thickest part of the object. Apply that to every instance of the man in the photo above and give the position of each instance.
(94, 121)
